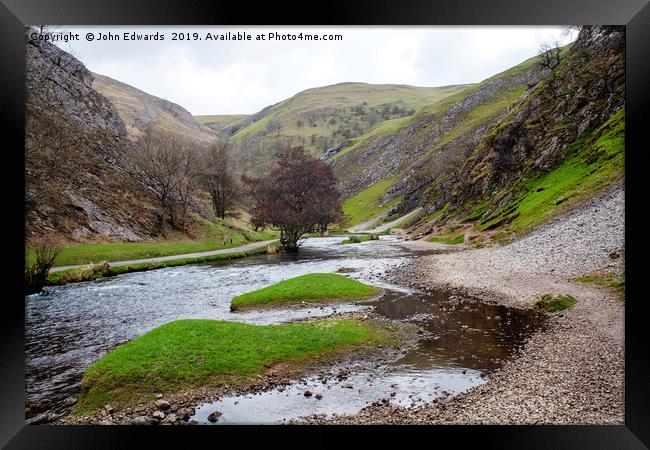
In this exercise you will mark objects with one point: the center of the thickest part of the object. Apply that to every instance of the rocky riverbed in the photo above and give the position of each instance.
(573, 370)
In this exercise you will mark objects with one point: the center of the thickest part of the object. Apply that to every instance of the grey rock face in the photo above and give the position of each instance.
(77, 182)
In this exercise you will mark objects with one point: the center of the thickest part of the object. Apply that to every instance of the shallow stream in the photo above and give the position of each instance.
(69, 327)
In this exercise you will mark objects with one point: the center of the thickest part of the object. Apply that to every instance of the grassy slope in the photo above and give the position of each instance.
(134, 104)
(593, 163)
(212, 235)
(367, 203)
(193, 353)
(343, 96)
(310, 287)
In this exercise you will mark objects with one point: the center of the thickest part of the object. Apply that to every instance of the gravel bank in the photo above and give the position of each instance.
(573, 371)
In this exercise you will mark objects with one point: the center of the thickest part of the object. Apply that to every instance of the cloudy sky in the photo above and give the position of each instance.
(242, 77)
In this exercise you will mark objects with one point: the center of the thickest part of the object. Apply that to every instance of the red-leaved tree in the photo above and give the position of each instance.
(298, 195)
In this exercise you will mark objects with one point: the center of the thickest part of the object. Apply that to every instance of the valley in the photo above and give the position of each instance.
(444, 221)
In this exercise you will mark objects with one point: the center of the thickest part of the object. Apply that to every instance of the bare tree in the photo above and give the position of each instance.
(569, 29)
(217, 178)
(167, 164)
(549, 55)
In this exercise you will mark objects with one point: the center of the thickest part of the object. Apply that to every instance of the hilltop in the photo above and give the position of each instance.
(324, 118)
(138, 110)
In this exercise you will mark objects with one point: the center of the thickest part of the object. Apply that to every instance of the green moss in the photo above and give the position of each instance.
(451, 240)
(187, 354)
(554, 303)
(478, 211)
(313, 287)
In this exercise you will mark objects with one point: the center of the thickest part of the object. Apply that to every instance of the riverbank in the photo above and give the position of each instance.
(573, 370)
(68, 274)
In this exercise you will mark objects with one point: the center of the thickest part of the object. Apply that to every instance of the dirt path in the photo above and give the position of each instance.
(223, 251)
(369, 223)
(393, 223)
(573, 371)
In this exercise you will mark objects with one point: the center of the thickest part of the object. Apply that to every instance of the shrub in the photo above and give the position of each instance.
(36, 273)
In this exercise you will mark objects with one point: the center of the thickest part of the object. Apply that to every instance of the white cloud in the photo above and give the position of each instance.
(230, 77)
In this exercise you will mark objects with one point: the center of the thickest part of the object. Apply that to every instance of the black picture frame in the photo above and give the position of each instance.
(15, 14)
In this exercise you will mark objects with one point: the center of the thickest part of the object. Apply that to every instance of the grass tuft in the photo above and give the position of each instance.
(554, 303)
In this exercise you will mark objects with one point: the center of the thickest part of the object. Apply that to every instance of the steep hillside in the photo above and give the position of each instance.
(397, 158)
(556, 147)
(139, 110)
(507, 154)
(325, 118)
(76, 185)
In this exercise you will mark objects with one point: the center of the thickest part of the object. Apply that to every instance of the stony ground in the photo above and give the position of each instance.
(573, 371)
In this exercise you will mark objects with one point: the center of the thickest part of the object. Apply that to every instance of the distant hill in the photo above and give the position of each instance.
(220, 122)
(325, 117)
(139, 110)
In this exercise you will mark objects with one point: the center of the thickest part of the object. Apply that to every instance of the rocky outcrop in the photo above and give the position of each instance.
(77, 184)
(540, 131)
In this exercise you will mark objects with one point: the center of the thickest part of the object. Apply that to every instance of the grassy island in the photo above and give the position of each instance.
(186, 354)
(313, 287)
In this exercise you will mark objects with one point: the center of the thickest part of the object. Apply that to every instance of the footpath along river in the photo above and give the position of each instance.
(69, 327)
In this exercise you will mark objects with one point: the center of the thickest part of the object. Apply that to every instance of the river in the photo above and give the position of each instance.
(69, 327)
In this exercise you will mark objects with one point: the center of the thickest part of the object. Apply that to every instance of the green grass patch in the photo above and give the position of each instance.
(313, 287)
(437, 213)
(212, 235)
(357, 239)
(451, 240)
(553, 303)
(611, 280)
(367, 203)
(187, 354)
(96, 271)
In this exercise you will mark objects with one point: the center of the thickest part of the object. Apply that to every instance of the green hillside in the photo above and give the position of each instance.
(325, 117)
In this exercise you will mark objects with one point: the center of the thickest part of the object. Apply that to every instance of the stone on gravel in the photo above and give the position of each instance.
(162, 404)
(213, 417)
